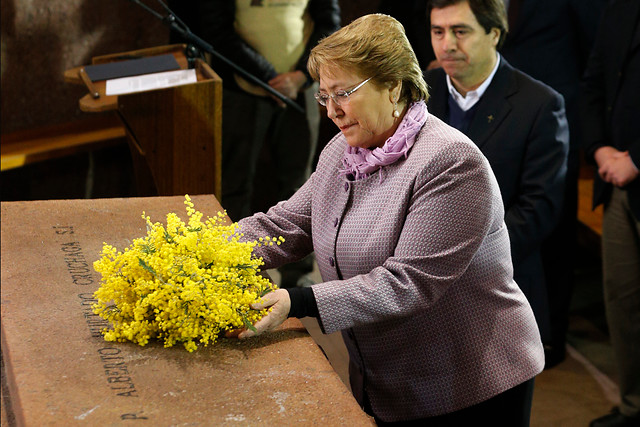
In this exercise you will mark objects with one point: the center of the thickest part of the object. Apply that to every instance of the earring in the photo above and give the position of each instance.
(396, 113)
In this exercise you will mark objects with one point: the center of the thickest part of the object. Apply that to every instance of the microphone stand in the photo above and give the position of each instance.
(181, 28)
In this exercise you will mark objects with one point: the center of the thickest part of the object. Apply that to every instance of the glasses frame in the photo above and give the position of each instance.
(334, 96)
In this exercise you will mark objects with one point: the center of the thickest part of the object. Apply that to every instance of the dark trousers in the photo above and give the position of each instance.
(621, 283)
(248, 124)
(511, 408)
(558, 256)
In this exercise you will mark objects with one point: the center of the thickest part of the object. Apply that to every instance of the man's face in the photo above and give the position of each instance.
(462, 47)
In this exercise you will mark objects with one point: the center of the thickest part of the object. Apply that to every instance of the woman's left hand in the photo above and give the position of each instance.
(281, 304)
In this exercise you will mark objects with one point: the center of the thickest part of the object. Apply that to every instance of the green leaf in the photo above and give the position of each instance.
(148, 249)
(248, 324)
(264, 292)
(146, 266)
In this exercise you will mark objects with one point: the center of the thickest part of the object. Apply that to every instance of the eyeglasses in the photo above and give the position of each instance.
(341, 97)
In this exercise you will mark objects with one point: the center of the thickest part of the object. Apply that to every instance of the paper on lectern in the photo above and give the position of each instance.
(150, 82)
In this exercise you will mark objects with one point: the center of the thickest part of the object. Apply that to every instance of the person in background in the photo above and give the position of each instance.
(412, 14)
(610, 113)
(550, 40)
(406, 220)
(518, 123)
(270, 39)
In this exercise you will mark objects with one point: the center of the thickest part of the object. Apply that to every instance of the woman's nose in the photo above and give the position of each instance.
(332, 109)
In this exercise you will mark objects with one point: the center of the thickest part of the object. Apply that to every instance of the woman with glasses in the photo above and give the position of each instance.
(406, 221)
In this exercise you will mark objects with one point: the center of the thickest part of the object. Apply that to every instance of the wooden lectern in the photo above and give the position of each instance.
(174, 133)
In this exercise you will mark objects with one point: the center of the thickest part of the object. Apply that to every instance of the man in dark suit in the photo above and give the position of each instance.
(610, 113)
(517, 122)
(550, 40)
(412, 14)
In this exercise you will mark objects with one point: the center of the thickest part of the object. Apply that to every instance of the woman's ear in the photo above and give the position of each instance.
(394, 91)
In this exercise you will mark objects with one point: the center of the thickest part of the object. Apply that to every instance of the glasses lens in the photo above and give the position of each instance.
(321, 98)
(341, 97)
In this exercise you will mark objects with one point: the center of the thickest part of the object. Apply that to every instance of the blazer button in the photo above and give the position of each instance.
(335, 222)
(332, 262)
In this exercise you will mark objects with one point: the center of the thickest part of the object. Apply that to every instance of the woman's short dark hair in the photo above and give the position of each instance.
(489, 13)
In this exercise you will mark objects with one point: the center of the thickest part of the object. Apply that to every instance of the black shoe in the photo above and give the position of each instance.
(616, 419)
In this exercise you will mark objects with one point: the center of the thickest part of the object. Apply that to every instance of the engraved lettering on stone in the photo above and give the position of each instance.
(64, 229)
(133, 417)
(77, 266)
(117, 372)
(95, 323)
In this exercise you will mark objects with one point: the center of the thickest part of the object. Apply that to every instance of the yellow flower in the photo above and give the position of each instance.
(181, 283)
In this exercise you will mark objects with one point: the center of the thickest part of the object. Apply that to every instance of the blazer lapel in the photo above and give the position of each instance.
(493, 107)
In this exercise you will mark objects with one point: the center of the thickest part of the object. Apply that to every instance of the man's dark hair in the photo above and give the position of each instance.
(489, 13)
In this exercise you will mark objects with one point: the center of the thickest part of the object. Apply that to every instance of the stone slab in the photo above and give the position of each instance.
(59, 370)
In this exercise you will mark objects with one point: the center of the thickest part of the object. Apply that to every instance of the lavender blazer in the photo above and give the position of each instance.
(417, 275)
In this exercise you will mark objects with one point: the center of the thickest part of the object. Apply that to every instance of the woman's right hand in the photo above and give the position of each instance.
(281, 305)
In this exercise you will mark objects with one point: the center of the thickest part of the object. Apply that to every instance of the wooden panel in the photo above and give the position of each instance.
(178, 133)
(34, 145)
(592, 218)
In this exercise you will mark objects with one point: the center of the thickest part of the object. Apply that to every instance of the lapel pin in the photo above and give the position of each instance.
(489, 118)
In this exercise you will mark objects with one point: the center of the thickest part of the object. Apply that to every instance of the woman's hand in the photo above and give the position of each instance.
(281, 304)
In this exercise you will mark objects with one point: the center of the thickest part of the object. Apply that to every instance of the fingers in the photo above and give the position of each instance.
(287, 83)
(266, 301)
(234, 333)
(619, 170)
(263, 325)
(281, 304)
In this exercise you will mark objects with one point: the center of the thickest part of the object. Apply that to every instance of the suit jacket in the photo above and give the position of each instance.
(520, 126)
(610, 105)
(413, 16)
(417, 274)
(551, 41)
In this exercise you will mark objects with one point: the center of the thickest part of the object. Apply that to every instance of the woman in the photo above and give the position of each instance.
(406, 221)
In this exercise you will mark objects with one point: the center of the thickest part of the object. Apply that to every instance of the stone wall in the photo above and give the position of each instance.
(43, 38)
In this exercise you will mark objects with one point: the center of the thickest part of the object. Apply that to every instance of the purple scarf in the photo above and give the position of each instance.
(362, 162)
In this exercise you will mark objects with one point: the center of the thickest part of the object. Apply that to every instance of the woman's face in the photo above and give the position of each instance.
(366, 120)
